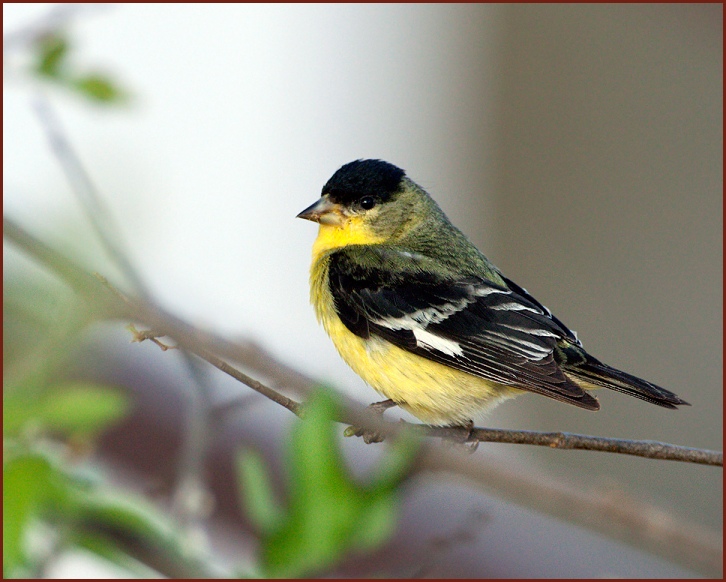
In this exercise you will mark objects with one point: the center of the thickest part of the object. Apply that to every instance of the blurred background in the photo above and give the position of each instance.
(580, 147)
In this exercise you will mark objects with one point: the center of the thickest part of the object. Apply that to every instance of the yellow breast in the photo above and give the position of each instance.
(433, 392)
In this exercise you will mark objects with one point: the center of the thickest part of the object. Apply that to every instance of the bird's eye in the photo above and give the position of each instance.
(367, 202)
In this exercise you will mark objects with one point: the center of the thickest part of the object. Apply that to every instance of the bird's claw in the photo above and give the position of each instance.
(369, 435)
(462, 441)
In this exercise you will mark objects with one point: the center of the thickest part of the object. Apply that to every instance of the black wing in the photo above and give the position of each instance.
(463, 321)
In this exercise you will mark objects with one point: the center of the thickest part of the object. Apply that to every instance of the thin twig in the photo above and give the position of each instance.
(566, 440)
(621, 518)
(191, 497)
(91, 201)
(223, 366)
(190, 491)
(556, 440)
(54, 18)
(165, 324)
(613, 514)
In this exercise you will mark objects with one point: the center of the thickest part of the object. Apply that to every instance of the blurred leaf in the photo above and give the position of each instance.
(256, 491)
(114, 525)
(110, 551)
(378, 521)
(322, 506)
(398, 460)
(27, 487)
(33, 298)
(18, 411)
(42, 320)
(98, 87)
(51, 62)
(134, 517)
(82, 408)
(117, 527)
(79, 409)
(52, 50)
(328, 513)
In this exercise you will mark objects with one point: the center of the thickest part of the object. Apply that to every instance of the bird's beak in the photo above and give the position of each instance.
(325, 212)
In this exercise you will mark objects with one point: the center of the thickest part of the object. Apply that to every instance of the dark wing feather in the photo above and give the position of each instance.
(466, 322)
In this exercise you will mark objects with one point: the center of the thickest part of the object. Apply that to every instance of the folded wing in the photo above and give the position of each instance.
(469, 323)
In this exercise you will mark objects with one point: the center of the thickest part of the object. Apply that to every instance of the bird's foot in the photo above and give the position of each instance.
(460, 439)
(369, 435)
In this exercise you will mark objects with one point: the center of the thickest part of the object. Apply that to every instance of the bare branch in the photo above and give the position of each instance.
(87, 193)
(614, 514)
(162, 555)
(621, 518)
(54, 18)
(273, 395)
(202, 344)
(565, 440)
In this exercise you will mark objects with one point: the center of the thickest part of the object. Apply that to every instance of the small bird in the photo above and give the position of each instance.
(426, 320)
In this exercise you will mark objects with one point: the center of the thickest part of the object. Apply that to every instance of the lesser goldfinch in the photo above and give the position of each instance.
(426, 320)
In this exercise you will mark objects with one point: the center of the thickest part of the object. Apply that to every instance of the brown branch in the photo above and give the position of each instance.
(565, 440)
(555, 440)
(163, 555)
(621, 518)
(257, 386)
(613, 514)
(91, 201)
(206, 345)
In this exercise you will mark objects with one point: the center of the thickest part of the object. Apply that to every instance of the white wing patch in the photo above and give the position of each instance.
(531, 349)
(425, 339)
(423, 317)
(531, 331)
(577, 339)
(419, 320)
(484, 291)
(513, 306)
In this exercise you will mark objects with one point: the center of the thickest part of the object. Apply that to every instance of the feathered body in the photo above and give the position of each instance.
(425, 319)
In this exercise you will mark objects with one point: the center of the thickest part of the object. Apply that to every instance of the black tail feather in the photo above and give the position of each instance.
(600, 374)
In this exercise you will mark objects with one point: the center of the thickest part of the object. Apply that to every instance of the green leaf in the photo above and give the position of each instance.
(134, 517)
(110, 551)
(18, 411)
(26, 488)
(52, 50)
(328, 513)
(141, 525)
(51, 62)
(256, 491)
(323, 504)
(399, 457)
(82, 408)
(99, 88)
(377, 522)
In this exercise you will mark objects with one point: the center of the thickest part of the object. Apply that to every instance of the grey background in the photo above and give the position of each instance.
(609, 210)
(579, 146)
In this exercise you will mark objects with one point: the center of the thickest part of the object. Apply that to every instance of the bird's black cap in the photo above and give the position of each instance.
(364, 178)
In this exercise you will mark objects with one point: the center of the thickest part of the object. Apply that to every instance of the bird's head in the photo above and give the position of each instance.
(365, 202)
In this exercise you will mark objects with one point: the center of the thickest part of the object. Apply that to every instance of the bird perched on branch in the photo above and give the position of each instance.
(426, 320)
